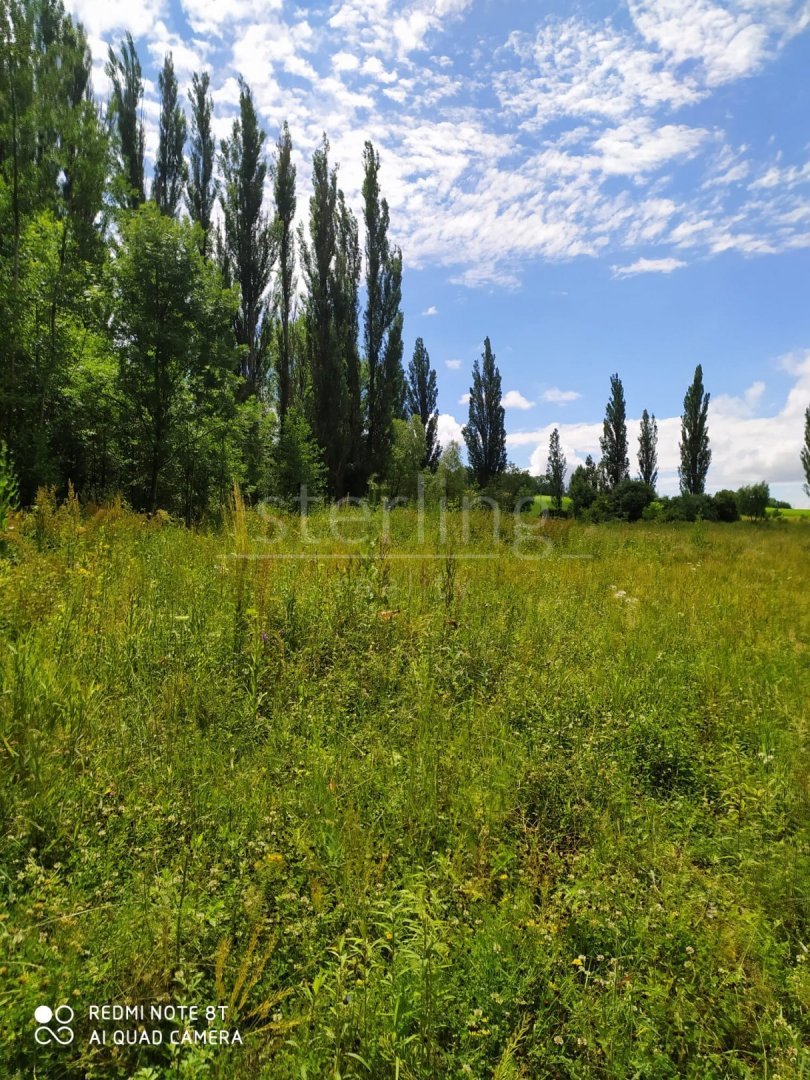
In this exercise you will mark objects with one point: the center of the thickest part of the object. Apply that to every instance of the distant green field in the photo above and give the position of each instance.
(790, 515)
(544, 502)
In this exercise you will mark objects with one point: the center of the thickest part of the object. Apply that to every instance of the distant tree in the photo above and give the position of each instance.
(615, 465)
(725, 505)
(555, 469)
(297, 459)
(752, 501)
(805, 455)
(450, 479)
(249, 251)
(629, 499)
(124, 73)
(202, 186)
(407, 457)
(421, 395)
(485, 431)
(583, 487)
(695, 453)
(174, 343)
(648, 450)
(382, 322)
(285, 203)
(170, 165)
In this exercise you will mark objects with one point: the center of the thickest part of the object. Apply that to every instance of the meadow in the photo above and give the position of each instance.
(417, 805)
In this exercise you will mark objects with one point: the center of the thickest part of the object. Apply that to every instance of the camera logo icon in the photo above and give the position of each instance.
(61, 1032)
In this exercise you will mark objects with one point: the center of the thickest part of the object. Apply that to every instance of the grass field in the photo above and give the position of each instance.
(416, 817)
(790, 515)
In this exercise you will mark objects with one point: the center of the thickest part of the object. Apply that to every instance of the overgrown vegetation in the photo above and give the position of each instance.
(538, 817)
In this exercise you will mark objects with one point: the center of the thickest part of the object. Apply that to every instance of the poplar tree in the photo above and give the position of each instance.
(382, 321)
(202, 186)
(555, 469)
(285, 203)
(485, 431)
(248, 248)
(648, 450)
(694, 446)
(805, 454)
(421, 395)
(615, 465)
(124, 72)
(170, 166)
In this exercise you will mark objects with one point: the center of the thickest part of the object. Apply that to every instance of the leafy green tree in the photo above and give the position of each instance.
(555, 469)
(407, 456)
(752, 501)
(170, 166)
(583, 486)
(346, 316)
(805, 454)
(648, 450)
(124, 72)
(285, 203)
(615, 465)
(694, 446)
(297, 459)
(173, 336)
(9, 488)
(248, 243)
(485, 431)
(202, 185)
(421, 395)
(449, 482)
(725, 505)
(629, 499)
(382, 320)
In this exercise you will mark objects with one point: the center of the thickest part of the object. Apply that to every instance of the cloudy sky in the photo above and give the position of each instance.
(598, 188)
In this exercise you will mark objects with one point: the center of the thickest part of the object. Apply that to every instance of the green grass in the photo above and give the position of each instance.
(411, 818)
(789, 515)
(546, 502)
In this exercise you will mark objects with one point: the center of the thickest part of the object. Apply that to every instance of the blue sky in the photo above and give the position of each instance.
(597, 187)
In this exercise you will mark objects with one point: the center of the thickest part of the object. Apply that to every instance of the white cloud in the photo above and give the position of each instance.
(453, 365)
(648, 266)
(513, 399)
(464, 399)
(560, 397)
(448, 430)
(432, 310)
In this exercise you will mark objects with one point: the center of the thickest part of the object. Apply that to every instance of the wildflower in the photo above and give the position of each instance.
(558, 1039)
(578, 961)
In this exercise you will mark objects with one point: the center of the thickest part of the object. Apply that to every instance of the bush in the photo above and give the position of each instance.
(725, 505)
(688, 508)
(752, 500)
(630, 499)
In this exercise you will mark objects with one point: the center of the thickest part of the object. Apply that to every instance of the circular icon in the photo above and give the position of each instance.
(63, 1015)
(43, 1015)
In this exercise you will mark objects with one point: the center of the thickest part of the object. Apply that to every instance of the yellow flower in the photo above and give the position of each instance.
(577, 961)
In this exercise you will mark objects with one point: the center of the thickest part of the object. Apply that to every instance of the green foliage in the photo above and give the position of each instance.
(648, 450)
(694, 446)
(202, 184)
(725, 505)
(285, 204)
(9, 489)
(297, 460)
(407, 457)
(382, 321)
(171, 172)
(555, 469)
(805, 451)
(752, 501)
(615, 465)
(124, 119)
(248, 245)
(421, 396)
(485, 431)
(583, 488)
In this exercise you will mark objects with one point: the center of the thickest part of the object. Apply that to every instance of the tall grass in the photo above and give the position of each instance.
(408, 817)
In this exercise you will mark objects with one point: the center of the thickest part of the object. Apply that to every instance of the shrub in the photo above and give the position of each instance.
(630, 499)
(725, 506)
(8, 487)
(752, 500)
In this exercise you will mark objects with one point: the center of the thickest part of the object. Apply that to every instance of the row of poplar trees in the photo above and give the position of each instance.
(164, 345)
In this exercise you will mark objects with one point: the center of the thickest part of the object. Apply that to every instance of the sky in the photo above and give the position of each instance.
(596, 187)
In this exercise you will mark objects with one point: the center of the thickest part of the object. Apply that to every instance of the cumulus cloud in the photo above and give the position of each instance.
(453, 365)
(448, 430)
(560, 397)
(432, 310)
(513, 399)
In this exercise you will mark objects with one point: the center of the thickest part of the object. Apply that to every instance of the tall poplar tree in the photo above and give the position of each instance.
(421, 395)
(695, 453)
(485, 431)
(202, 186)
(285, 203)
(555, 469)
(346, 315)
(170, 165)
(648, 450)
(805, 454)
(382, 322)
(615, 465)
(248, 247)
(124, 72)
